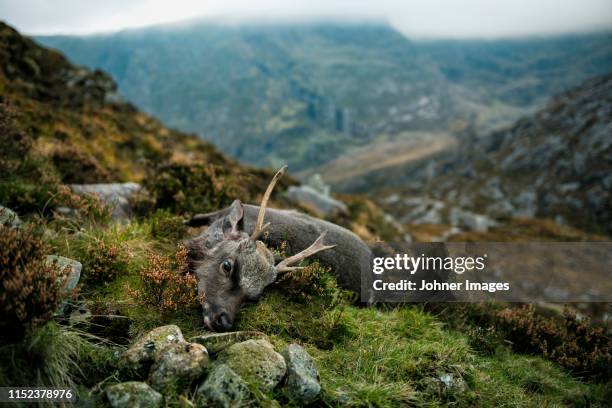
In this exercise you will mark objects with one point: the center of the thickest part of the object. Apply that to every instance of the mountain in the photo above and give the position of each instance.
(555, 164)
(307, 94)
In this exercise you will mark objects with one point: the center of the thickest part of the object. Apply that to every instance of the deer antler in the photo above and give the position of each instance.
(317, 246)
(259, 224)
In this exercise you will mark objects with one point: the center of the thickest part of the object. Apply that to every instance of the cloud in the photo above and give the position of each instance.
(424, 18)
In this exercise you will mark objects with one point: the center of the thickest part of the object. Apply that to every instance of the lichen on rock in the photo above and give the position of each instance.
(302, 380)
(177, 365)
(142, 353)
(133, 394)
(256, 362)
(223, 388)
(217, 342)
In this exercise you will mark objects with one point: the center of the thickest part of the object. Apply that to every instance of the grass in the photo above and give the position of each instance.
(384, 356)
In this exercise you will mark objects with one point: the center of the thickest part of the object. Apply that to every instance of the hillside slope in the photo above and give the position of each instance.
(66, 124)
(555, 164)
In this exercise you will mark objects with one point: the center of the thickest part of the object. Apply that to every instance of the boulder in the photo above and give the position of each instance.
(71, 267)
(216, 342)
(115, 195)
(256, 362)
(133, 394)
(142, 353)
(223, 388)
(9, 217)
(302, 380)
(177, 365)
(309, 197)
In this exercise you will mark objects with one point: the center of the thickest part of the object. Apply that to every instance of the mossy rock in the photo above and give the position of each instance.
(142, 353)
(223, 388)
(133, 394)
(302, 380)
(177, 365)
(217, 342)
(256, 362)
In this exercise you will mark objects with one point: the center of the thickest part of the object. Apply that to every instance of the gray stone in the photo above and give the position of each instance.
(216, 342)
(256, 362)
(310, 198)
(72, 269)
(9, 217)
(223, 388)
(133, 394)
(144, 350)
(302, 380)
(451, 382)
(115, 195)
(469, 220)
(177, 365)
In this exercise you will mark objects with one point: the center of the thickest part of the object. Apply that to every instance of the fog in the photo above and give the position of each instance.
(428, 19)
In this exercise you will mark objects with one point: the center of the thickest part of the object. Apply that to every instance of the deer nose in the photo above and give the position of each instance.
(222, 322)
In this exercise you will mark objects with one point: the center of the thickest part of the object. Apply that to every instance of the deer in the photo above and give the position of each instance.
(233, 265)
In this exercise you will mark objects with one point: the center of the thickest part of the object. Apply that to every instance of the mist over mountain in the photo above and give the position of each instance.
(307, 94)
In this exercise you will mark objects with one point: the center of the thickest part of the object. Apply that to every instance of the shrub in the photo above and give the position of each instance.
(165, 284)
(88, 206)
(573, 343)
(77, 166)
(104, 261)
(25, 179)
(191, 188)
(30, 288)
(166, 226)
(313, 280)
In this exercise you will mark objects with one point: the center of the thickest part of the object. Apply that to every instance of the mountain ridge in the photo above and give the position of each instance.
(310, 93)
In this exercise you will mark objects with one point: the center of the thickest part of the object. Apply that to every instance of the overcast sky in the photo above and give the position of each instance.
(424, 18)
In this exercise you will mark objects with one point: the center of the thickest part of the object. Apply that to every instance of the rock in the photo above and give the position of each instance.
(115, 195)
(302, 380)
(322, 204)
(9, 217)
(317, 183)
(133, 394)
(223, 388)
(142, 352)
(256, 362)
(451, 382)
(466, 219)
(73, 268)
(216, 342)
(177, 365)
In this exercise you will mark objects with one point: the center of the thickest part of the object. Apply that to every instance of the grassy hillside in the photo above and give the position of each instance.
(63, 124)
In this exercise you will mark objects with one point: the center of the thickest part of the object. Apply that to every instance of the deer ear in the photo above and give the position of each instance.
(232, 223)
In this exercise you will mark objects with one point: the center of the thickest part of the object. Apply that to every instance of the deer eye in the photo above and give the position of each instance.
(227, 266)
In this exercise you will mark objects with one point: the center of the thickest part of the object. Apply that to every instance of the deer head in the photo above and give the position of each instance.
(234, 267)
